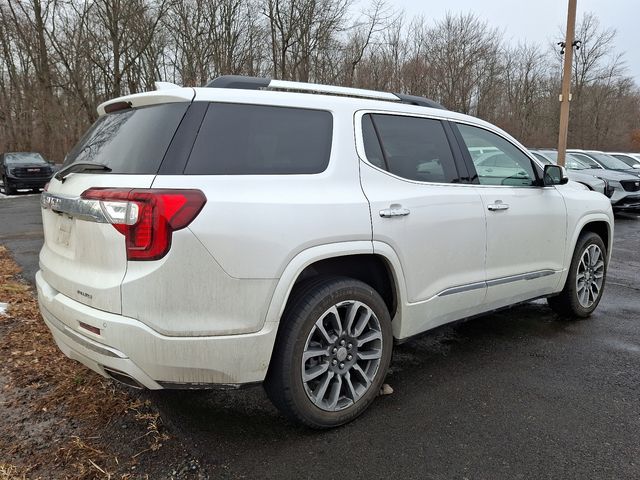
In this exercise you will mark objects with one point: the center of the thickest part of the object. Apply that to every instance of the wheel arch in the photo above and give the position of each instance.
(600, 228)
(599, 223)
(350, 259)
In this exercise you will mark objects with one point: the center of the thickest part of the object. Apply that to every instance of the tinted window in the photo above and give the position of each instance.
(371, 144)
(503, 164)
(239, 139)
(130, 141)
(414, 148)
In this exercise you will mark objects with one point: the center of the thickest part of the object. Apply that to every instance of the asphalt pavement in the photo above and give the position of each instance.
(516, 394)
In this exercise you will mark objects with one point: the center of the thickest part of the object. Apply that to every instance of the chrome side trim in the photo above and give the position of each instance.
(496, 281)
(462, 288)
(522, 276)
(76, 207)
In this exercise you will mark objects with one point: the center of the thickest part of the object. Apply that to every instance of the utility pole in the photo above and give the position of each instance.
(566, 82)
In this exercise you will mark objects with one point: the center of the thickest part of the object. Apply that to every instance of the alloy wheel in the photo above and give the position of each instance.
(590, 275)
(342, 355)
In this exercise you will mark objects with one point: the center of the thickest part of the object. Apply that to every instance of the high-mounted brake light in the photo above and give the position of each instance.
(147, 217)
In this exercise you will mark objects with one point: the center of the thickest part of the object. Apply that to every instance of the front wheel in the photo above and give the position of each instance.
(8, 189)
(332, 352)
(585, 282)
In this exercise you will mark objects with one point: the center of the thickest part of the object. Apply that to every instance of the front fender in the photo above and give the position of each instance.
(573, 239)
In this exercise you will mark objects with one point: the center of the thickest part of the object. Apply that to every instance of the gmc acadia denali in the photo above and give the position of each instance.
(258, 230)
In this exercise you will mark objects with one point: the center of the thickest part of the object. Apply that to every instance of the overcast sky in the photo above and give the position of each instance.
(539, 20)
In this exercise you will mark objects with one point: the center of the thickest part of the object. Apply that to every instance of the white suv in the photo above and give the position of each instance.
(288, 233)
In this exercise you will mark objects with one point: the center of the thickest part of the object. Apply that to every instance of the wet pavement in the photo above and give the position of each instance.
(516, 394)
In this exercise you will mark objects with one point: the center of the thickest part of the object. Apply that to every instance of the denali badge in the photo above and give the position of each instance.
(85, 294)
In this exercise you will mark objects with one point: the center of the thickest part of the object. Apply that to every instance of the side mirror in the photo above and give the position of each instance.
(555, 175)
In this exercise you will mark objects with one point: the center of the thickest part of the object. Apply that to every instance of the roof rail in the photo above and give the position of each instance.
(420, 101)
(258, 83)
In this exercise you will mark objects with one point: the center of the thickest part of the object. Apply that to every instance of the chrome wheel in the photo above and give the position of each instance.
(590, 275)
(341, 356)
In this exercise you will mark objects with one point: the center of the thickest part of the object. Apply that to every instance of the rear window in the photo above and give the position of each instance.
(130, 141)
(238, 139)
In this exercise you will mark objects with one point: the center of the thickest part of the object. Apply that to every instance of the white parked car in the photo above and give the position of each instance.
(290, 233)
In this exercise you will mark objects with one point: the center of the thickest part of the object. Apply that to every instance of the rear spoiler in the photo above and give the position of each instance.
(165, 93)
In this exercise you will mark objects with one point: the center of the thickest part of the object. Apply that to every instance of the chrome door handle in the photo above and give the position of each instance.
(498, 206)
(394, 210)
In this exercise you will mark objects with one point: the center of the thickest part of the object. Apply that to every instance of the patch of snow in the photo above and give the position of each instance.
(3, 308)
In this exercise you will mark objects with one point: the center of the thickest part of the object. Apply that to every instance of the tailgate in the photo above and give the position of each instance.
(84, 257)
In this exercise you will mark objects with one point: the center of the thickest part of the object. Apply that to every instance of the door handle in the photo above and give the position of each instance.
(394, 210)
(498, 205)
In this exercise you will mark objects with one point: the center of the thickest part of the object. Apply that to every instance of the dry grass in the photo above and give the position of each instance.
(10, 472)
(59, 402)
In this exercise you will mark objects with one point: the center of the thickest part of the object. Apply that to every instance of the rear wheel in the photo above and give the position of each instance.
(583, 290)
(332, 353)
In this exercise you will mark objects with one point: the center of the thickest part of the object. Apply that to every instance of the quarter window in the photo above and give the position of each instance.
(238, 139)
(410, 147)
(497, 161)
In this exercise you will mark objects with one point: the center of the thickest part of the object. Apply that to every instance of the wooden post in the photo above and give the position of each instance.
(566, 82)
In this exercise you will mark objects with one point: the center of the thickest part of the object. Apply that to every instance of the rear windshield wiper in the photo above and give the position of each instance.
(80, 167)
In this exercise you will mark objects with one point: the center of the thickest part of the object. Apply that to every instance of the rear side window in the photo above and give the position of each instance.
(413, 148)
(238, 139)
(130, 141)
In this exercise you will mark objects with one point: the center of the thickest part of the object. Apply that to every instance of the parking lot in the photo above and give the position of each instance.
(516, 394)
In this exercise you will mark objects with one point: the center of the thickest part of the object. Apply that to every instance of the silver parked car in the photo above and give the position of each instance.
(590, 180)
(624, 187)
(605, 161)
(633, 160)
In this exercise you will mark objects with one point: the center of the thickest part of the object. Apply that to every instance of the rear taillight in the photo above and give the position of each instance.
(147, 217)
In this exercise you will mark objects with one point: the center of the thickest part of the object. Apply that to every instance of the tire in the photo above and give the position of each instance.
(588, 270)
(8, 189)
(352, 371)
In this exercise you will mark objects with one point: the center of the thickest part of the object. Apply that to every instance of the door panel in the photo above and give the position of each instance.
(440, 243)
(525, 242)
(526, 222)
(434, 224)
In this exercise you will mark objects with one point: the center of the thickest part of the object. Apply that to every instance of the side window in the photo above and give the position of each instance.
(238, 139)
(411, 147)
(371, 144)
(501, 162)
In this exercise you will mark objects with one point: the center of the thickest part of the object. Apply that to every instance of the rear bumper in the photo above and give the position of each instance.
(130, 351)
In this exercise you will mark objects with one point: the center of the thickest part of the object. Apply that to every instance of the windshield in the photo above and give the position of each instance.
(542, 158)
(590, 162)
(570, 161)
(24, 158)
(628, 159)
(610, 162)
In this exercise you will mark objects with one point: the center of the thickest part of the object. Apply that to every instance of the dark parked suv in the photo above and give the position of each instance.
(24, 170)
